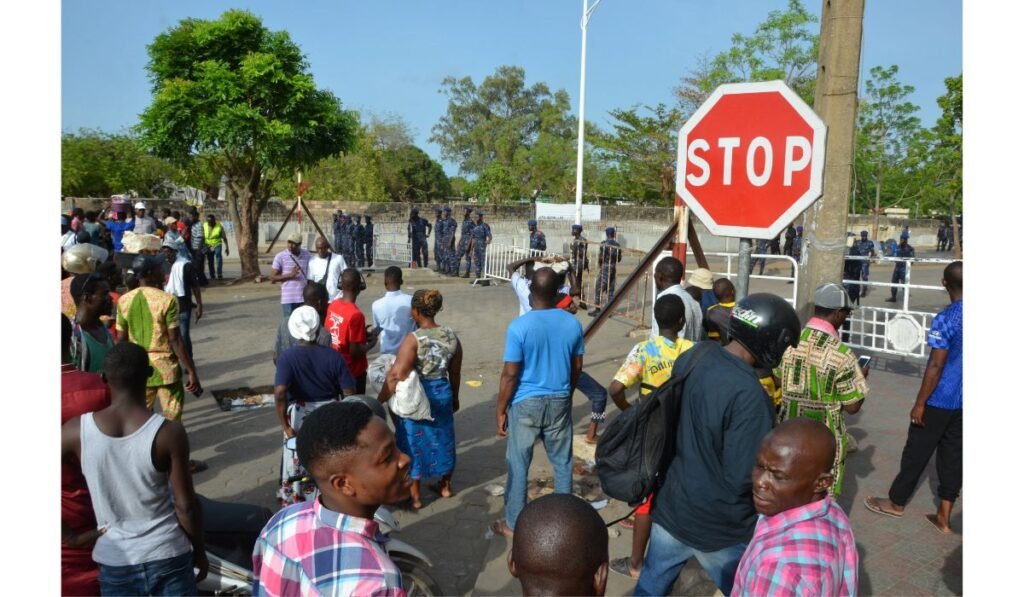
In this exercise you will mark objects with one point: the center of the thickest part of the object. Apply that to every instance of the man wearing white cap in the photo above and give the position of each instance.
(291, 269)
(820, 377)
(308, 376)
(143, 223)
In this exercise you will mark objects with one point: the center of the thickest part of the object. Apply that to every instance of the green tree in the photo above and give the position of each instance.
(410, 175)
(233, 88)
(527, 131)
(783, 47)
(944, 185)
(97, 164)
(496, 184)
(889, 149)
(640, 153)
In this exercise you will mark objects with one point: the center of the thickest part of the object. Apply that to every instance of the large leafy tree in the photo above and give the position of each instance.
(889, 149)
(639, 154)
(783, 47)
(235, 90)
(97, 164)
(944, 187)
(518, 135)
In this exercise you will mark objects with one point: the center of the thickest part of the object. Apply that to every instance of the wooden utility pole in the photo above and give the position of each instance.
(835, 100)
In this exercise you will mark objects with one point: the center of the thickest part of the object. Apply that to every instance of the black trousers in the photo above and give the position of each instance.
(943, 431)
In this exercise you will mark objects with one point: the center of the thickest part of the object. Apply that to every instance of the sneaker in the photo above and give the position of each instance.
(891, 299)
(594, 312)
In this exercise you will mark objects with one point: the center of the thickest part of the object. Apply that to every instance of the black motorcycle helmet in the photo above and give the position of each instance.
(765, 325)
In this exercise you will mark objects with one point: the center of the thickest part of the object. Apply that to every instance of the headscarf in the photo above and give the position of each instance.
(304, 323)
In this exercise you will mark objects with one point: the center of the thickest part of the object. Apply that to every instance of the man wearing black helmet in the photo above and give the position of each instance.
(704, 508)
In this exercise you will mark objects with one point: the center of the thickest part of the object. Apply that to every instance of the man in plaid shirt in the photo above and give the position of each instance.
(332, 546)
(802, 544)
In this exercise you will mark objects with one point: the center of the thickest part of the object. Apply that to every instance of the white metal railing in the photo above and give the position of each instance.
(732, 269)
(499, 256)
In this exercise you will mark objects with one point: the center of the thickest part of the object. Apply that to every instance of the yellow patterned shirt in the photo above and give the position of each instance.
(650, 363)
(148, 314)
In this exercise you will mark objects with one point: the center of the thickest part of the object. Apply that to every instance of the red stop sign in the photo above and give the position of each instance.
(751, 158)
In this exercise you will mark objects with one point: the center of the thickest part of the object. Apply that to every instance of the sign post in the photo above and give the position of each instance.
(750, 160)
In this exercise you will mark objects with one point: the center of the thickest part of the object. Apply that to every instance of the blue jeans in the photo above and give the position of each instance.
(287, 308)
(545, 417)
(212, 254)
(595, 393)
(172, 576)
(185, 327)
(667, 555)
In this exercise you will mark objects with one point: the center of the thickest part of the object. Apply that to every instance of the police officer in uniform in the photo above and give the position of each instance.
(419, 231)
(608, 257)
(481, 237)
(438, 229)
(464, 238)
(866, 249)
(899, 273)
(537, 240)
(358, 234)
(368, 240)
(445, 233)
(578, 258)
(348, 230)
(337, 227)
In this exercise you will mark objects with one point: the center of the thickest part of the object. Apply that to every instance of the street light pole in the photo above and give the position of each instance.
(587, 12)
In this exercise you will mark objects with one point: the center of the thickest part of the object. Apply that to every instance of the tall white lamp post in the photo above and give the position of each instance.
(587, 12)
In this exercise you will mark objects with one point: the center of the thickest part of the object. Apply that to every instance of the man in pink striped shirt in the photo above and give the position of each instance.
(803, 544)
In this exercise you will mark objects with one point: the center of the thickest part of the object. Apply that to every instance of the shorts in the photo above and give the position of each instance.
(645, 508)
(172, 397)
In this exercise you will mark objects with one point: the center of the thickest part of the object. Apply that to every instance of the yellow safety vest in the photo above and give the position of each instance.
(212, 238)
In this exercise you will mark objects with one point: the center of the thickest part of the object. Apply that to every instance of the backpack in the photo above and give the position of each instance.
(634, 452)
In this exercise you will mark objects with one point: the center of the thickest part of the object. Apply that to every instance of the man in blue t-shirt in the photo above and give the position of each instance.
(936, 421)
(543, 361)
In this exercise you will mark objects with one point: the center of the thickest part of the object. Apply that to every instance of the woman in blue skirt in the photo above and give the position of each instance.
(436, 354)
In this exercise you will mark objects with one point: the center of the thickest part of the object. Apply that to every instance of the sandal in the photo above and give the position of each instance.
(500, 527)
(871, 503)
(623, 567)
(932, 518)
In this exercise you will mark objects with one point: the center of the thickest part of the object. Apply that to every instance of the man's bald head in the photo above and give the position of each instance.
(560, 547)
(670, 272)
(544, 285)
(724, 291)
(794, 466)
(350, 280)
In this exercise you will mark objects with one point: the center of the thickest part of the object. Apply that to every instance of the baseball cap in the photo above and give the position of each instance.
(414, 210)
(701, 278)
(140, 205)
(531, 222)
(832, 296)
(296, 238)
(169, 220)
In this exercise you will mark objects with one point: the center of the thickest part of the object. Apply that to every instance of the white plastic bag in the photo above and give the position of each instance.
(377, 373)
(410, 400)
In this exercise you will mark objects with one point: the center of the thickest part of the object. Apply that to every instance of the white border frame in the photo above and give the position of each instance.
(817, 165)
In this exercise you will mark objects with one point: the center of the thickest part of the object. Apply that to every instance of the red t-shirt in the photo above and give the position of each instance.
(347, 326)
(81, 393)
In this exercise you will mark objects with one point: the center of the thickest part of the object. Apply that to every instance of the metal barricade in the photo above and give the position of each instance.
(731, 270)
(499, 256)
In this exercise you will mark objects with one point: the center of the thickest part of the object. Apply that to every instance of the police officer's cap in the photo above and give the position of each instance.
(478, 212)
(447, 209)
(577, 227)
(531, 223)
(467, 209)
(609, 230)
(863, 232)
(414, 210)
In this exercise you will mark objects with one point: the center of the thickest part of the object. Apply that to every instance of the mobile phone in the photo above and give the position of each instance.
(863, 361)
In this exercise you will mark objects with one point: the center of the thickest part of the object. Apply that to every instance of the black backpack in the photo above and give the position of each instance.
(635, 450)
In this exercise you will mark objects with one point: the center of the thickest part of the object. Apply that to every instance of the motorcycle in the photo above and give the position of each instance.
(231, 532)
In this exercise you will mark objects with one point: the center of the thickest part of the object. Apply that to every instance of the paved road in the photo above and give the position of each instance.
(232, 346)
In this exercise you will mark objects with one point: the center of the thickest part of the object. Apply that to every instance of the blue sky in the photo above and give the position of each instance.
(389, 56)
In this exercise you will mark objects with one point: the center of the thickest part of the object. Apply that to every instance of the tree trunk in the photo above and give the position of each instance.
(244, 211)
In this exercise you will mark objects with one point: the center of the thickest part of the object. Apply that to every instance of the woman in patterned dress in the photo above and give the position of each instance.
(436, 354)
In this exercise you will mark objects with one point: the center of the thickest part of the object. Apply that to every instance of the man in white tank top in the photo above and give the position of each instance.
(134, 461)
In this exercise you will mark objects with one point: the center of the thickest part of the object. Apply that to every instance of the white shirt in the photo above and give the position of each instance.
(317, 267)
(693, 329)
(521, 286)
(392, 313)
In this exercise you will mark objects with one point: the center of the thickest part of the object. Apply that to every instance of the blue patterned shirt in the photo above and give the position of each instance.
(947, 333)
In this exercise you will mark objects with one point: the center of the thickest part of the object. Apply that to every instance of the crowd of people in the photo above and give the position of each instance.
(756, 458)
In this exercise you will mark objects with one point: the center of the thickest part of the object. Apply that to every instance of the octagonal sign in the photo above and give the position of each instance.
(751, 158)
